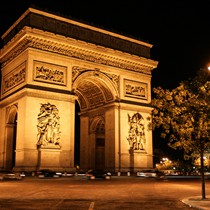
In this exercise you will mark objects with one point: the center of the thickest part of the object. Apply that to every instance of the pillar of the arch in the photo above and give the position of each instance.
(49, 157)
(91, 144)
(131, 159)
(85, 147)
(30, 156)
(2, 137)
(112, 139)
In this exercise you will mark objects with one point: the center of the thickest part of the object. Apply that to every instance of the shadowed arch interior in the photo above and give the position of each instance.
(93, 90)
(10, 144)
(98, 128)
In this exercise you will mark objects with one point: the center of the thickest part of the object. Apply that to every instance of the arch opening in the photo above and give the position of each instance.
(77, 135)
(100, 145)
(94, 93)
(94, 90)
(10, 144)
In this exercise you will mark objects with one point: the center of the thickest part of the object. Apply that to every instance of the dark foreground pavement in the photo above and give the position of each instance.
(195, 201)
(78, 193)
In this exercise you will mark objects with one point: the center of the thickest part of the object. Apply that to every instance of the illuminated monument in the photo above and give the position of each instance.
(50, 63)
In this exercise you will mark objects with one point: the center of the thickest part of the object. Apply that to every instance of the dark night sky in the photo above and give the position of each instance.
(179, 31)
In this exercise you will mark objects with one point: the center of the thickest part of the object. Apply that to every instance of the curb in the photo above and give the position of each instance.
(197, 202)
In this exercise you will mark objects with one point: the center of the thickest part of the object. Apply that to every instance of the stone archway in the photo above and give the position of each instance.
(10, 143)
(61, 62)
(95, 91)
(97, 129)
(93, 88)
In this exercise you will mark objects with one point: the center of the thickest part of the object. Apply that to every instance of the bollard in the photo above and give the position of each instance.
(128, 173)
(118, 173)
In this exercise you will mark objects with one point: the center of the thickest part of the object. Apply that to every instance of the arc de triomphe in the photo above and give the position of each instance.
(50, 63)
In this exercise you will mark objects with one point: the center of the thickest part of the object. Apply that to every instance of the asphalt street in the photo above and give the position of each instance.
(78, 193)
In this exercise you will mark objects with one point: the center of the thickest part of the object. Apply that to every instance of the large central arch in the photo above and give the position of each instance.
(95, 91)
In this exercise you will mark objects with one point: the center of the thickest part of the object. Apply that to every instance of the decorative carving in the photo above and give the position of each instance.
(50, 73)
(136, 134)
(96, 122)
(80, 53)
(135, 89)
(14, 78)
(115, 79)
(48, 126)
(17, 50)
(76, 71)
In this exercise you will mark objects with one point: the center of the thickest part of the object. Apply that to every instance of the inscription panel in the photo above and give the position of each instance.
(135, 89)
(50, 73)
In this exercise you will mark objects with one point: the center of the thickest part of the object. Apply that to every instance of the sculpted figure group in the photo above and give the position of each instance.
(48, 125)
(136, 133)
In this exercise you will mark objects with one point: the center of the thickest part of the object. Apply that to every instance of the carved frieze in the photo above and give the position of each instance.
(135, 89)
(72, 51)
(17, 50)
(136, 133)
(14, 78)
(50, 73)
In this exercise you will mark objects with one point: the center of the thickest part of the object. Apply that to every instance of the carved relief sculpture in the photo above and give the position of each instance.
(16, 77)
(136, 132)
(48, 125)
(135, 89)
(51, 73)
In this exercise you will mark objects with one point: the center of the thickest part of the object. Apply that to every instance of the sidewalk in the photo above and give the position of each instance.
(197, 202)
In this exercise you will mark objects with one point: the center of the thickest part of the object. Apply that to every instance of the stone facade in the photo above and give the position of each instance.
(50, 62)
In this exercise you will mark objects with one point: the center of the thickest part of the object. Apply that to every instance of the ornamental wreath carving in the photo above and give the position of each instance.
(48, 125)
(136, 132)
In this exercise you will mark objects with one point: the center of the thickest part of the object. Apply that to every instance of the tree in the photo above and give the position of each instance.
(183, 115)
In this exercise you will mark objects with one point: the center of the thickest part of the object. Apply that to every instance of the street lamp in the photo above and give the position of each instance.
(202, 150)
(208, 67)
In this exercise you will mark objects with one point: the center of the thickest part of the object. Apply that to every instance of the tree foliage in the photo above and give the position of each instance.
(183, 114)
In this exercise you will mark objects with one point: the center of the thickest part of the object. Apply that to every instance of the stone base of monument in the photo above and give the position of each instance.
(49, 157)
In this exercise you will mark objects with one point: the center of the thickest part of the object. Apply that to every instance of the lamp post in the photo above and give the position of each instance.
(202, 143)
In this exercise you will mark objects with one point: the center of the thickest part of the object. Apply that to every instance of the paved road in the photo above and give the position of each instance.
(77, 193)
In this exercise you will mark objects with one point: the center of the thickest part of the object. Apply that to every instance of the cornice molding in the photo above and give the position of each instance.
(37, 93)
(46, 41)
